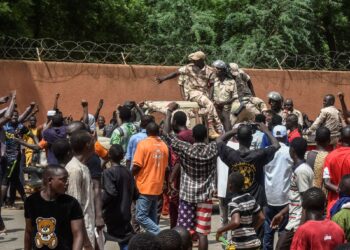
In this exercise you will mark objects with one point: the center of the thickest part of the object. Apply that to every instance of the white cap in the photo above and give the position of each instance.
(51, 112)
(279, 131)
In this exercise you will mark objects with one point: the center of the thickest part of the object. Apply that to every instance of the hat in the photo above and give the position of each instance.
(234, 69)
(196, 56)
(51, 113)
(279, 131)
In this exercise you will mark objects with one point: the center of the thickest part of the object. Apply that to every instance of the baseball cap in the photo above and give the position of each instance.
(279, 131)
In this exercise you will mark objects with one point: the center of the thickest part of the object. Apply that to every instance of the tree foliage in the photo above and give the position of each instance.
(250, 32)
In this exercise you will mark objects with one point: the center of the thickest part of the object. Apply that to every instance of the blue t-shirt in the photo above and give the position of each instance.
(11, 131)
(134, 140)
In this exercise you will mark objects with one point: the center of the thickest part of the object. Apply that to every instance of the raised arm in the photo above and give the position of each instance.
(262, 127)
(227, 136)
(34, 112)
(4, 99)
(167, 124)
(99, 107)
(160, 79)
(55, 103)
(345, 111)
(85, 106)
(26, 113)
(9, 110)
(119, 121)
(139, 110)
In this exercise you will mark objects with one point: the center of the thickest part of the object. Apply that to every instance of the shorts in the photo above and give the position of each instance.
(195, 217)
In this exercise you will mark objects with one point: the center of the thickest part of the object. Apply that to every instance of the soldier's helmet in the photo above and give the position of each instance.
(220, 64)
(273, 95)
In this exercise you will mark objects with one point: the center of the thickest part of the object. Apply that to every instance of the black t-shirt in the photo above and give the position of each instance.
(51, 220)
(94, 166)
(250, 164)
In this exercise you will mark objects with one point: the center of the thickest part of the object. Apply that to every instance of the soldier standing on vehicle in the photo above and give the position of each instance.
(223, 93)
(195, 79)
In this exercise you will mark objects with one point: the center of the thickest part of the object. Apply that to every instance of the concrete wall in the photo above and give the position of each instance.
(39, 81)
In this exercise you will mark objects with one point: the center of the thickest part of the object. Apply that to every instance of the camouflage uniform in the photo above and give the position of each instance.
(196, 85)
(224, 91)
(253, 105)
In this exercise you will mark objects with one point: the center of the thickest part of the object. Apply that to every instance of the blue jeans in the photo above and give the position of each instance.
(270, 212)
(146, 212)
(123, 246)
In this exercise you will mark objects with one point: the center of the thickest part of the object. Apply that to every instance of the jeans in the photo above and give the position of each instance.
(146, 212)
(270, 212)
(123, 246)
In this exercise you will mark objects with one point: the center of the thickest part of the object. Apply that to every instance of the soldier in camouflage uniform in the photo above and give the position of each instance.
(247, 105)
(195, 80)
(223, 93)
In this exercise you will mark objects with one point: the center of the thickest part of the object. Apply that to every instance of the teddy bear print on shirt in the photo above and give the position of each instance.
(46, 233)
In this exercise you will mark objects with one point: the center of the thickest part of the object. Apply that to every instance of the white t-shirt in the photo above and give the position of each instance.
(301, 180)
(222, 172)
(277, 177)
(80, 187)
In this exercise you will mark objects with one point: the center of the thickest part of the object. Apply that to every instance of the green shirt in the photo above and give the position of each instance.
(122, 134)
(342, 218)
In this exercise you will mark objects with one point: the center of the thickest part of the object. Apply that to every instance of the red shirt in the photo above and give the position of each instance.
(293, 134)
(338, 164)
(318, 235)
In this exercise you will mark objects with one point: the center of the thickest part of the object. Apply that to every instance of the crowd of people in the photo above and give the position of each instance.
(270, 167)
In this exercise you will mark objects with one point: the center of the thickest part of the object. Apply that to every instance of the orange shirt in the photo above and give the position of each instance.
(152, 157)
(100, 150)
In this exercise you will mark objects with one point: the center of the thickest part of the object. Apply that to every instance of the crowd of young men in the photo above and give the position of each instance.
(114, 180)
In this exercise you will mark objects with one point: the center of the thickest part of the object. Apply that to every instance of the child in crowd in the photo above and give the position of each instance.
(170, 239)
(246, 216)
(144, 241)
(119, 190)
(186, 238)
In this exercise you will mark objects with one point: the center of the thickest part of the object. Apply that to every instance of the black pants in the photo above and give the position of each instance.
(285, 240)
(11, 179)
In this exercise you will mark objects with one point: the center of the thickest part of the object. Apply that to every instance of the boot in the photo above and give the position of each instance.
(212, 134)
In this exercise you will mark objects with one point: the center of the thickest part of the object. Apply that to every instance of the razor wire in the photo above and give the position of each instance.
(47, 49)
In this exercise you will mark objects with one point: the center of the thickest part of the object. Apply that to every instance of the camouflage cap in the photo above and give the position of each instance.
(199, 55)
(234, 69)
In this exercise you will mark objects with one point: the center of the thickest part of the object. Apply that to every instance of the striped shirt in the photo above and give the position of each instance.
(244, 236)
(301, 180)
